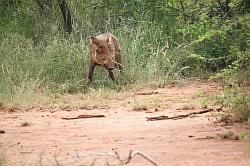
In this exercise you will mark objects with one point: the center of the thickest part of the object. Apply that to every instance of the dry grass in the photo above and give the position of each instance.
(188, 106)
(25, 124)
(229, 135)
(100, 98)
(3, 161)
(140, 104)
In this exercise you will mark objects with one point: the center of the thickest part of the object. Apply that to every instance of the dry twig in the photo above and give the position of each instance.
(114, 155)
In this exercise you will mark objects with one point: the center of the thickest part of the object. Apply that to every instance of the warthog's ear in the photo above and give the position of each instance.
(93, 40)
(110, 38)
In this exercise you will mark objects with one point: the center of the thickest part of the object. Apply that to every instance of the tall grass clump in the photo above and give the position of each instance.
(146, 55)
(20, 70)
(28, 70)
(236, 103)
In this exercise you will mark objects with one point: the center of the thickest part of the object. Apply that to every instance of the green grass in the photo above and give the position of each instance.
(30, 72)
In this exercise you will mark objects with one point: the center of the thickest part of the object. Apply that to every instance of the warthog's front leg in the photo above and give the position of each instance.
(91, 70)
(111, 74)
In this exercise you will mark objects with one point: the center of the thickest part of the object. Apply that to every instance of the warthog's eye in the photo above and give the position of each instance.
(101, 46)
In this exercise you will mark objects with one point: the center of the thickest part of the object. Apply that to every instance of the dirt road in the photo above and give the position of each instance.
(50, 140)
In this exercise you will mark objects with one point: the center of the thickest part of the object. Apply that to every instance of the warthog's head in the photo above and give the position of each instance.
(103, 52)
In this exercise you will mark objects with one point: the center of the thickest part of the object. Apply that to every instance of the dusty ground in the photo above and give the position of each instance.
(189, 141)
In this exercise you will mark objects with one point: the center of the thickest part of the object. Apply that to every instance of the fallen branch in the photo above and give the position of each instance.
(84, 117)
(164, 117)
(207, 137)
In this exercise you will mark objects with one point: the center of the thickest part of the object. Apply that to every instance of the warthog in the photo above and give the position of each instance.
(105, 51)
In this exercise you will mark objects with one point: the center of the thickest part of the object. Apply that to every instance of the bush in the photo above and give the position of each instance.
(236, 104)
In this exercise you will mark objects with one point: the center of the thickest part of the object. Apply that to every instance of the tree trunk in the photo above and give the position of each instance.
(66, 15)
(46, 11)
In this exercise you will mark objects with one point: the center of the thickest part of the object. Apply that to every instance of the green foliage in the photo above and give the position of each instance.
(162, 42)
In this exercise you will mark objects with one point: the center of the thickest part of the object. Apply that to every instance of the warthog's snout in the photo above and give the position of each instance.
(105, 51)
(109, 68)
(109, 63)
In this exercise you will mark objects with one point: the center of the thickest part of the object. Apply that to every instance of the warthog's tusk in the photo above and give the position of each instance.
(117, 63)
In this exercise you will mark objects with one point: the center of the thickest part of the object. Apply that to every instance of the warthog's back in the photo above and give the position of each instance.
(103, 36)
